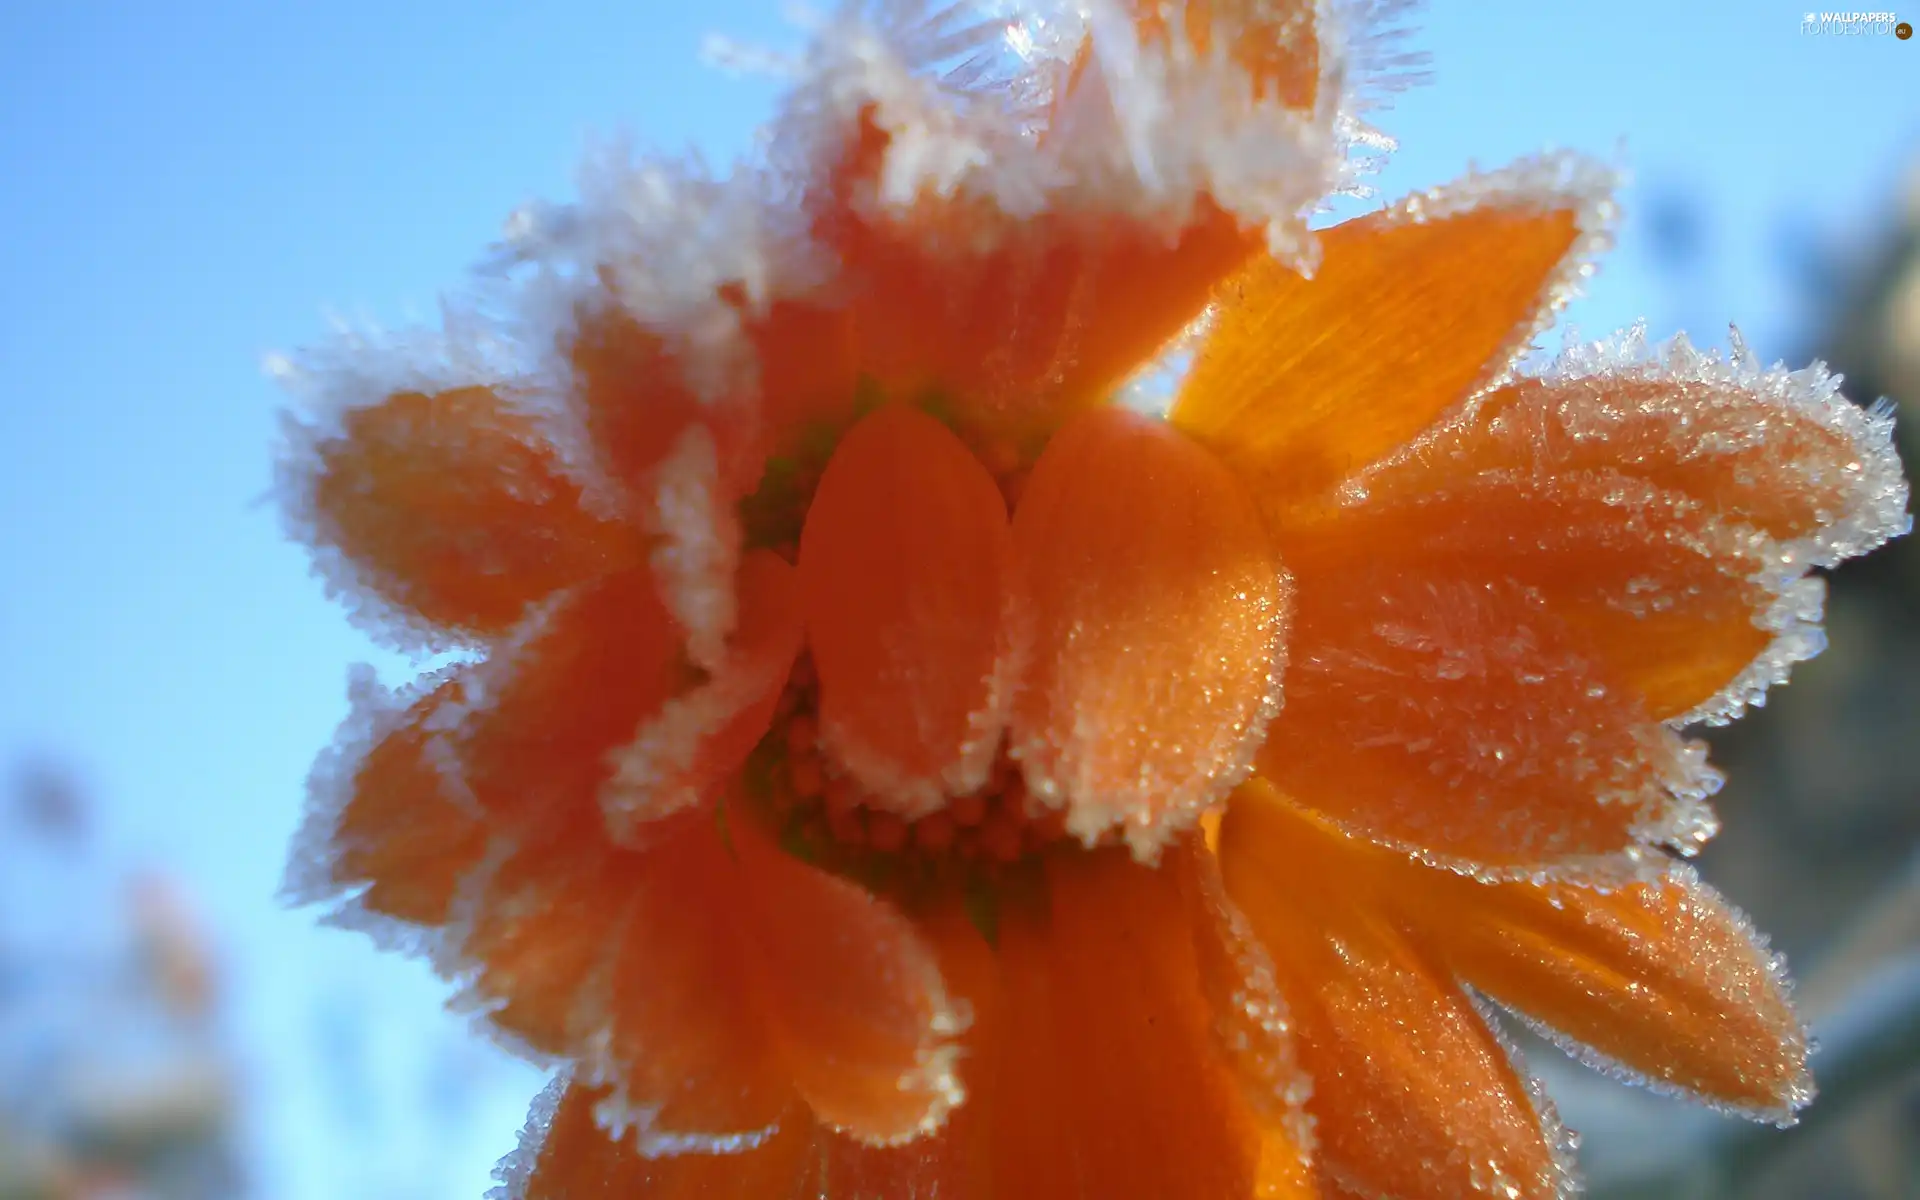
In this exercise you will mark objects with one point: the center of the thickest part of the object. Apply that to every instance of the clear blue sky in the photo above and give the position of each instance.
(186, 187)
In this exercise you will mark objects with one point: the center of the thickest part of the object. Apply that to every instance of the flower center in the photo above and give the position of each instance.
(825, 816)
(822, 811)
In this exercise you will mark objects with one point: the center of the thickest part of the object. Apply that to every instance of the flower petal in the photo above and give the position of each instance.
(903, 570)
(1458, 719)
(1661, 978)
(513, 753)
(576, 688)
(710, 977)
(1301, 382)
(680, 1025)
(695, 743)
(1668, 602)
(565, 916)
(854, 996)
(1788, 469)
(953, 1162)
(1251, 1022)
(454, 507)
(541, 930)
(1413, 1094)
(537, 754)
(638, 404)
(631, 962)
(597, 704)
(1017, 321)
(1107, 1080)
(1156, 611)
(1666, 503)
(404, 830)
(576, 1158)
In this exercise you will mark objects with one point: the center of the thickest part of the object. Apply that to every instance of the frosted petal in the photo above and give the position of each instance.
(1251, 1020)
(1758, 474)
(1670, 601)
(854, 997)
(1276, 44)
(541, 936)
(1660, 979)
(391, 833)
(1156, 614)
(671, 1023)
(630, 392)
(707, 979)
(574, 686)
(691, 747)
(1300, 382)
(904, 572)
(1459, 720)
(1112, 122)
(1413, 1094)
(1112, 1083)
(450, 506)
(955, 1159)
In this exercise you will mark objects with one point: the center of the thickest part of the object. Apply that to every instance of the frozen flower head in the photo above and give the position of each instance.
(882, 764)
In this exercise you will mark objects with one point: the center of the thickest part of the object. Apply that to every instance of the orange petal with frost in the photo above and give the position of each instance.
(579, 687)
(1155, 609)
(638, 402)
(695, 743)
(687, 1035)
(1664, 598)
(1301, 381)
(455, 507)
(535, 755)
(1251, 1022)
(953, 1162)
(903, 570)
(1108, 1079)
(855, 1002)
(1016, 322)
(1636, 501)
(403, 831)
(713, 978)
(1662, 978)
(1458, 718)
(1413, 1095)
(1743, 455)
(579, 1159)
(542, 928)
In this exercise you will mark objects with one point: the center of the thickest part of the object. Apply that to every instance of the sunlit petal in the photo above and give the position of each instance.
(1155, 612)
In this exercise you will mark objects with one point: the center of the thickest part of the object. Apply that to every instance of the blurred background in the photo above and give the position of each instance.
(185, 188)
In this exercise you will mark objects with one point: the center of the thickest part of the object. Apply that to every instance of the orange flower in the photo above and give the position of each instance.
(866, 771)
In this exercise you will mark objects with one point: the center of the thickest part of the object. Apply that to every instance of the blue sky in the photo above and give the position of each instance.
(184, 188)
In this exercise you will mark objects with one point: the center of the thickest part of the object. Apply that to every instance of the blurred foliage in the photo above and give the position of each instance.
(115, 1080)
